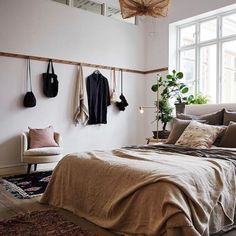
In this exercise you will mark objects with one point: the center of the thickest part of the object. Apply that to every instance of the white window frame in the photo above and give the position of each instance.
(70, 3)
(218, 41)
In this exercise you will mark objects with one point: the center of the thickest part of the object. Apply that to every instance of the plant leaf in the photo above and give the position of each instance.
(179, 75)
(154, 88)
(184, 90)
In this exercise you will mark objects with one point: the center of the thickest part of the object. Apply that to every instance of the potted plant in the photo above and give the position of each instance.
(170, 87)
(165, 115)
(197, 99)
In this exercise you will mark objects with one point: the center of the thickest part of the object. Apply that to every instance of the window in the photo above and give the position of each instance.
(66, 2)
(91, 6)
(98, 7)
(206, 54)
(115, 13)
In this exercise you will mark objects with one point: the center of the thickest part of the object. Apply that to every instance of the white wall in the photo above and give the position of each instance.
(157, 39)
(50, 29)
(157, 30)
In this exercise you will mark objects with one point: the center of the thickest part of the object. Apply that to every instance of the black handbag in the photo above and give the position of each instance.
(29, 98)
(50, 82)
(123, 102)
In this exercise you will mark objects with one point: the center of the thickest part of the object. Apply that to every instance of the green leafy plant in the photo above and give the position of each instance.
(165, 112)
(172, 87)
(169, 87)
(197, 99)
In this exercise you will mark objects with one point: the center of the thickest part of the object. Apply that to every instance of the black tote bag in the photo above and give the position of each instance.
(29, 98)
(50, 82)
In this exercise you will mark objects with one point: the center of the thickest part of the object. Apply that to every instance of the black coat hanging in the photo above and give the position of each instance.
(29, 98)
(123, 103)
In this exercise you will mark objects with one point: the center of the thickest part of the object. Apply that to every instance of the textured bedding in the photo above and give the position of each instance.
(147, 190)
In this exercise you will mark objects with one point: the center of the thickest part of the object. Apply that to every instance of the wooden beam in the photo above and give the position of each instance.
(156, 70)
(38, 58)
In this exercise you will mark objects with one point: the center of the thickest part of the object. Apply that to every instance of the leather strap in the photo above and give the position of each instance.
(28, 76)
(50, 64)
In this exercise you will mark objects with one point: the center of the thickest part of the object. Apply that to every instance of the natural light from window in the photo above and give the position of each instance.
(206, 54)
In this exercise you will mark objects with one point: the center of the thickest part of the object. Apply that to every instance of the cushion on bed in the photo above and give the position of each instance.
(42, 138)
(215, 118)
(198, 135)
(178, 128)
(229, 116)
(229, 138)
(220, 136)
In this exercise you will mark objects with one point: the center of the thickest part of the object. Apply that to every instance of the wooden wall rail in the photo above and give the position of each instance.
(37, 58)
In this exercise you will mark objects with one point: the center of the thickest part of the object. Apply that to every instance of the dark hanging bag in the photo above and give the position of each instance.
(50, 82)
(123, 102)
(29, 98)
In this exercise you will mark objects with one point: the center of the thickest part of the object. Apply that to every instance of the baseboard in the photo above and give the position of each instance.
(22, 168)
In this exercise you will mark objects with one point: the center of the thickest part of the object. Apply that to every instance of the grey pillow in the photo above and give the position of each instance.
(215, 118)
(229, 116)
(177, 129)
(229, 138)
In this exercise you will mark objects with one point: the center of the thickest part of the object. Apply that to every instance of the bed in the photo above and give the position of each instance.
(149, 190)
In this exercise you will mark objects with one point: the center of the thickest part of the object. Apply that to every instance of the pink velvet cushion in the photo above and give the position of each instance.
(42, 138)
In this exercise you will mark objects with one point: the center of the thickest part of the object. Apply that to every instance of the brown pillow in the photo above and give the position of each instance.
(198, 135)
(42, 138)
(229, 138)
(215, 118)
(178, 128)
(220, 136)
(229, 116)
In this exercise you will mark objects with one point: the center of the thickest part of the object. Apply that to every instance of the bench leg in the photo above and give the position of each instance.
(28, 169)
(35, 167)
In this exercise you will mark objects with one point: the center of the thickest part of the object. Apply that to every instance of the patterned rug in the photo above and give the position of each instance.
(27, 186)
(41, 223)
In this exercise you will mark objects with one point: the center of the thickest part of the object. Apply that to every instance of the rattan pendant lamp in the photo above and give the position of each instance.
(154, 8)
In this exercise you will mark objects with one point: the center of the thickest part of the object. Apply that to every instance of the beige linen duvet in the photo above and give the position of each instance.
(146, 192)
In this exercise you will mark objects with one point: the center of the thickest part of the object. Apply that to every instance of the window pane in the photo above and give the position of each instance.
(187, 35)
(116, 14)
(66, 2)
(208, 30)
(229, 25)
(187, 66)
(91, 6)
(229, 72)
(208, 70)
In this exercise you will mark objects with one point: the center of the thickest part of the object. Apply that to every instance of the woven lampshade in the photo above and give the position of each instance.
(154, 8)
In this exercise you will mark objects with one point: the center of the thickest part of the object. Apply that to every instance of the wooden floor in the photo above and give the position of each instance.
(11, 206)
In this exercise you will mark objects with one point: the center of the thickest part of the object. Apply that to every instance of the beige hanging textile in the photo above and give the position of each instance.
(81, 114)
(154, 8)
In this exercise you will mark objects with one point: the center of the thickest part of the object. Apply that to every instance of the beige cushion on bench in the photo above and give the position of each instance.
(45, 151)
(42, 159)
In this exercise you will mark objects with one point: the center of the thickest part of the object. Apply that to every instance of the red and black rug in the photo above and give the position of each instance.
(41, 223)
(27, 186)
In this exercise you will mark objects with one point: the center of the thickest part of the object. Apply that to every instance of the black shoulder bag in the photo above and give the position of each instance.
(29, 98)
(50, 82)
(123, 102)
